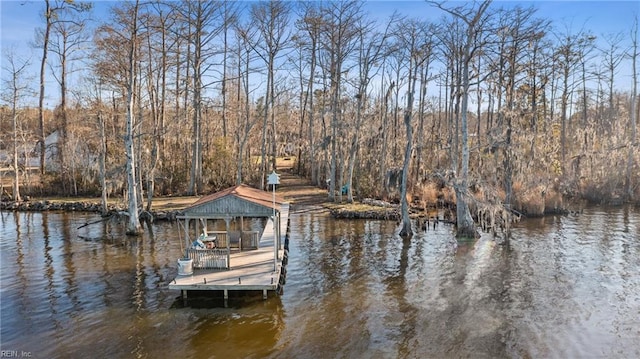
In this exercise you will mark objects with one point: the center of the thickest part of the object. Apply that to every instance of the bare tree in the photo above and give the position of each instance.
(474, 17)
(116, 66)
(633, 143)
(310, 26)
(339, 39)
(570, 53)
(158, 47)
(230, 17)
(51, 16)
(16, 86)
(245, 122)
(102, 156)
(205, 22)
(384, 123)
(69, 37)
(426, 77)
(272, 19)
(133, 224)
(519, 29)
(612, 57)
(413, 37)
(372, 46)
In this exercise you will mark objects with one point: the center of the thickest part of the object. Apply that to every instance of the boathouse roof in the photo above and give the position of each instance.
(237, 201)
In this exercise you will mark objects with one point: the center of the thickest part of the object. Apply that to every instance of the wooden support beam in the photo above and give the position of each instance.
(226, 221)
(184, 297)
(187, 239)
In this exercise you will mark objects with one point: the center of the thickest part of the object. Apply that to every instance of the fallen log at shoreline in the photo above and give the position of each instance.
(388, 215)
(94, 222)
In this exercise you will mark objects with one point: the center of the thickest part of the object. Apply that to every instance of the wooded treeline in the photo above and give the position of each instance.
(494, 107)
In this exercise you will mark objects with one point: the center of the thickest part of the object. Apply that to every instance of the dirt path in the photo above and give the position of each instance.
(307, 198)
(301, 194)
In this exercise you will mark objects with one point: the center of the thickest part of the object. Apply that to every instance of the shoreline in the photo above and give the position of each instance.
(298, 191)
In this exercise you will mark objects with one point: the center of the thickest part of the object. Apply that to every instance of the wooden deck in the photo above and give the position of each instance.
(250, 269)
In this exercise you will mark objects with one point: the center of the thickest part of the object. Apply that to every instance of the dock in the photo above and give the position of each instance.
(262, 267)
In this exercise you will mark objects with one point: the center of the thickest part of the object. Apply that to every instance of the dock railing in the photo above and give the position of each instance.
(208, 258)
(248, 240)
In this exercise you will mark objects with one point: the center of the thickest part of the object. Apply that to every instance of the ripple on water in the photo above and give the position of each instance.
(564, 287)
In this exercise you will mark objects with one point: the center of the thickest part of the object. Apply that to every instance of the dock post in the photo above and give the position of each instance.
(184, 297)
(226, 298)
(264, 294)
(226, 221)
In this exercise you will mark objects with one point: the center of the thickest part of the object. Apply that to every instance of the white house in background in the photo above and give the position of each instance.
(51, 160)
(26, 157)
(29, 154)
(80, 161)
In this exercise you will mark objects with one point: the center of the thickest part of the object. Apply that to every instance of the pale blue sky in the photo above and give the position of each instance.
(19, 19)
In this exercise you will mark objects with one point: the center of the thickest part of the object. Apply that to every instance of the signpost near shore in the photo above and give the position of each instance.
(273, 179)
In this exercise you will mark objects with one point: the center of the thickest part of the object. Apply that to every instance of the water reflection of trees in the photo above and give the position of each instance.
(49, 273)
(20, 298)
(397, 288)
(69, 265)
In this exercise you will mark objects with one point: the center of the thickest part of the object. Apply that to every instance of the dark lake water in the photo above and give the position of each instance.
(566, 287)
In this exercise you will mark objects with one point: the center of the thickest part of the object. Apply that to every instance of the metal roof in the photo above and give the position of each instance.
(237, 201)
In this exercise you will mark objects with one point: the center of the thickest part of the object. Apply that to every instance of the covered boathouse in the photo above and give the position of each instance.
(234, 259)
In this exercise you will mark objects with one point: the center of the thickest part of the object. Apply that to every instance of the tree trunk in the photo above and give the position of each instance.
(45, 46)
(472, 18)
(14, 116)
(563, 127)
(385, 136)
(310, 95)
(633, 144)
(196, 160)
(263, 148)
(465, 226)
(239, 116)
(102, 162)
(63, 139)
(274, 135)
(406, 230)
(133, 224)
